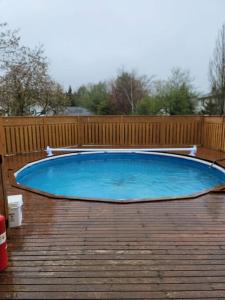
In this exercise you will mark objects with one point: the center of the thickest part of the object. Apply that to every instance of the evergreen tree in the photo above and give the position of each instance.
(69, 95)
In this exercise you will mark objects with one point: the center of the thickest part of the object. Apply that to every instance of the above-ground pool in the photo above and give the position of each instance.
(121, 177)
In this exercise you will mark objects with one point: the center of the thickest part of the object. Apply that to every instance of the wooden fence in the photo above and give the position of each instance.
(30, 134)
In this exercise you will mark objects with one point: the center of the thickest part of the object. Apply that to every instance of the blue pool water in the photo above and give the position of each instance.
(120, 176)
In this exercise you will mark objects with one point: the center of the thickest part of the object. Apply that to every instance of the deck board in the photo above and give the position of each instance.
(86, 250)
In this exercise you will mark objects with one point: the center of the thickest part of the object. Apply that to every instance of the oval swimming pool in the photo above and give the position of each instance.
(121, 177)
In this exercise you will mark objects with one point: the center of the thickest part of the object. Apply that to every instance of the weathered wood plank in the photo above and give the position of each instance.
(78, 250)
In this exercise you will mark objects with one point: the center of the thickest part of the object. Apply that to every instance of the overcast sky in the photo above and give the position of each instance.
(90, 40)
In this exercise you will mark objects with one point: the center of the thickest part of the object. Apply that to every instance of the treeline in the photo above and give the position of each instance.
(26, 86)
(129, 93)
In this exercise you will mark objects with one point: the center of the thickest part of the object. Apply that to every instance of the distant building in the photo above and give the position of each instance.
(204, 99)
(68, 111)
(76, 111)
(37, 110)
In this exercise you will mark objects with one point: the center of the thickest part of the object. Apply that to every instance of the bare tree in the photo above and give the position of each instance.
(9, 45)
(217, 71)
(127, 90)
(23, 81)
(52, 98)
(24, 77)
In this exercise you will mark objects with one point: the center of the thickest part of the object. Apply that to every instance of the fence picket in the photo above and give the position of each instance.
(28, 134)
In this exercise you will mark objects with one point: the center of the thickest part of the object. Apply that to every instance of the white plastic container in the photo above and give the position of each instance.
(15, 203)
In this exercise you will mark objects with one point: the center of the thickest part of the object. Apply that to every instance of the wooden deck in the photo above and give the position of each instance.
(81, 250)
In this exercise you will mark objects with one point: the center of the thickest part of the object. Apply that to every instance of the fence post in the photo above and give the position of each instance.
(2, 138)
(45, 132)
(162, 131)
(80, 131)
(3, 202)
(222, 148)
(202, 132)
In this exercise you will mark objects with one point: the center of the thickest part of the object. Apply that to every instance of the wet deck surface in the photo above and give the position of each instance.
(81, 250)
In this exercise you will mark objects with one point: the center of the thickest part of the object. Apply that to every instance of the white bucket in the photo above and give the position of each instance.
(15, 203)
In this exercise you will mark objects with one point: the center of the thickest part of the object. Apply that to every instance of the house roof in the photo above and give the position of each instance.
(76, 111)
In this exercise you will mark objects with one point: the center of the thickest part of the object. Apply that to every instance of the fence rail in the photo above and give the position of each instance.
(30, 134)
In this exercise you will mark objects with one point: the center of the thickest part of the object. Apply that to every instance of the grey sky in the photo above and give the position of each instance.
(90, 40)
